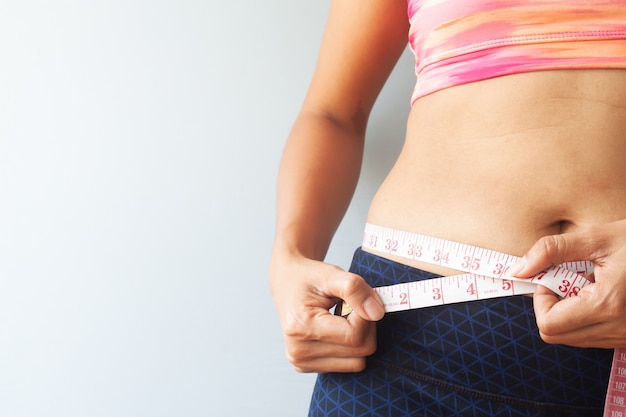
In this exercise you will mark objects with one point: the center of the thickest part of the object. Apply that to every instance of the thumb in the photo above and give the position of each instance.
(359, 297)
(554, 250)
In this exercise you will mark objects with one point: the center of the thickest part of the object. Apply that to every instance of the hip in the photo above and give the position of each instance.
(491, 346)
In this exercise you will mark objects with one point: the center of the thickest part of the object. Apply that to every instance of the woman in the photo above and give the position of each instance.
(515, 143)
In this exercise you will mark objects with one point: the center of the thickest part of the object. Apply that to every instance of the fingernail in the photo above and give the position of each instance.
(374, 309)
(517, 267)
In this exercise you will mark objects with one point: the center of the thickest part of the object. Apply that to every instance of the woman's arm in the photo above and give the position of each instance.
(318, 174)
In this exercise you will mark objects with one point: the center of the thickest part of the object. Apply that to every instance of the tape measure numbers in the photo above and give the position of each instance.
(485, 276)
(565, 280)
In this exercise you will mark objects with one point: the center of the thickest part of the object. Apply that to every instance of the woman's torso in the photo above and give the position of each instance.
(502, 162)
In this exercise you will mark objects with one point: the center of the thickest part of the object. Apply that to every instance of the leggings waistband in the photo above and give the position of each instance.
(491, 346)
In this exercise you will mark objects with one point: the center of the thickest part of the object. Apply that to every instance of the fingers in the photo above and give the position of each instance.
(315, 339)
(336, 351)
(556, 316)
(596, 317)
(318, 325)
(557, 249)
(357, 293)
(593, 318)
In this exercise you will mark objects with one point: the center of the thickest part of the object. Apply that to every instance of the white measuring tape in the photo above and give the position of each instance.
(485, 277)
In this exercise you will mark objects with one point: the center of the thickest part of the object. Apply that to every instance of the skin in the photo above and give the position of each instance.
(528, 164)
(596, 316)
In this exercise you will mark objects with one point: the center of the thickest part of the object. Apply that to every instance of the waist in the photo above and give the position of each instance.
(501, 163)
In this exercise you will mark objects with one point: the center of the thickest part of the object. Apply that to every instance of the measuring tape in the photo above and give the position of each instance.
(485, 277)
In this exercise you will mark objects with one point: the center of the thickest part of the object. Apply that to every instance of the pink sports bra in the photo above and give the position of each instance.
(461, 41)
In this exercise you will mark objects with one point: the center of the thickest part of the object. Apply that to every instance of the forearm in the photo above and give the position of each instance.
(318, 174)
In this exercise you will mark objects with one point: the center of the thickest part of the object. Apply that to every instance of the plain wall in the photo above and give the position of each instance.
(139, 147)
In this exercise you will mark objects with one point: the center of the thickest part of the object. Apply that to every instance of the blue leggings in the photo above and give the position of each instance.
(481, 358)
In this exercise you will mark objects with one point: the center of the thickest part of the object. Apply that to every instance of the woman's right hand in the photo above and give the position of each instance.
(304, 291)
(318, 174)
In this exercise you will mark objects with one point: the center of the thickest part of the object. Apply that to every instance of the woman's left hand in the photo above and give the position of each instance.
(597, 316)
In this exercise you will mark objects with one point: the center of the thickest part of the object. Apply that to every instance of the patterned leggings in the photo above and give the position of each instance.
(481, 358)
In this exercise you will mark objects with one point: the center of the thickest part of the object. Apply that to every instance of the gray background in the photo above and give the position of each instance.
(139, 145)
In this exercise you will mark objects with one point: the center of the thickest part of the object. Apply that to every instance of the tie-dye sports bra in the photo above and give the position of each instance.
(461, 41)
